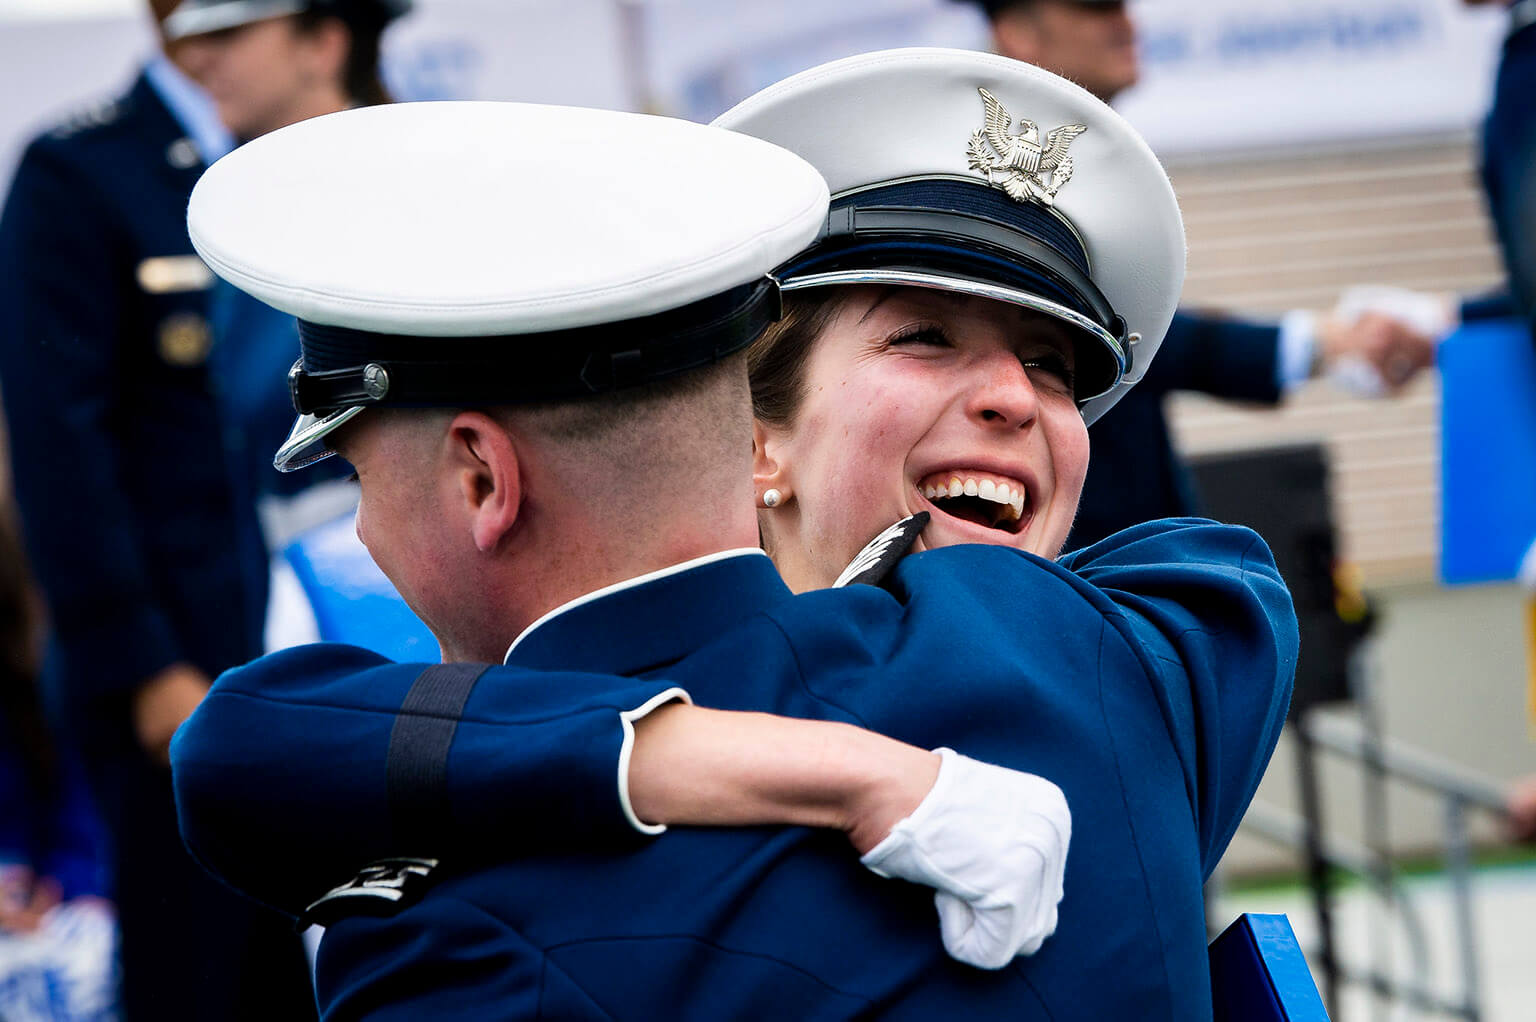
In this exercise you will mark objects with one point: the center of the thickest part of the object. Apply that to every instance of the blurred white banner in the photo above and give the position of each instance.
(1219, 74)
(1222, 74)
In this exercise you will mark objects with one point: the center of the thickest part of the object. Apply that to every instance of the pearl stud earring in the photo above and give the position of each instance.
(771, 498)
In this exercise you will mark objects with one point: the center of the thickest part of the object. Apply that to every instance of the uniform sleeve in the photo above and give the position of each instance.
(60, 365)
(1509, 167)
(1217, 355)
(1204, 609)
(282, 774)
(442, 959)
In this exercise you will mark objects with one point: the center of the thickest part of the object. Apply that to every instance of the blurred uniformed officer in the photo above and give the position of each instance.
(267, 64)
(152, 569)
(1508, 155)
(1135, 476)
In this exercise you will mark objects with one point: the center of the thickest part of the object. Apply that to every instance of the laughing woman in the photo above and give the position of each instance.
(982, 290)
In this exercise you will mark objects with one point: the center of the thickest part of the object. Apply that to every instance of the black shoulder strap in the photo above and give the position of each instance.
(417, 767)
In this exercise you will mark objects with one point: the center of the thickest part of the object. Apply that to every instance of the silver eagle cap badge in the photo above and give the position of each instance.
(1018, 163)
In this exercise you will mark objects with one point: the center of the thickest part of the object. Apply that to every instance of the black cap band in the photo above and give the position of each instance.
(342, 367)
(978, 232)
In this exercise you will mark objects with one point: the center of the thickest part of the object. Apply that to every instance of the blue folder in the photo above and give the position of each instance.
(1258, 974)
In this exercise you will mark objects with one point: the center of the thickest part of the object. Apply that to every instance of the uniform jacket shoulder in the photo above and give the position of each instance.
(137, 119)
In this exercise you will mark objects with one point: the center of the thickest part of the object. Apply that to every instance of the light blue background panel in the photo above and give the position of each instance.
(1487, 451)
(352, 600)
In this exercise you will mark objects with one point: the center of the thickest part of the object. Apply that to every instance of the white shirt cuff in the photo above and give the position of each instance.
(627, 718)
(1298, 345)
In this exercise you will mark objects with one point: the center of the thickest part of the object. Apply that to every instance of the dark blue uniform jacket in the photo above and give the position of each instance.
(1509, 166)
(131, 525)
(1148, 676)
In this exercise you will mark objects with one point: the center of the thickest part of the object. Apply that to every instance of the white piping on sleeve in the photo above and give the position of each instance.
(628, 718)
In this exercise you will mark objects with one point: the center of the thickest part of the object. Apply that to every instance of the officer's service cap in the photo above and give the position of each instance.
(198, 17)
(472, 254)
(975, 173)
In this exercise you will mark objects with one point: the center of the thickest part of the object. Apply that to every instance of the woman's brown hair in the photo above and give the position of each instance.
(776, 361)
(361, 79)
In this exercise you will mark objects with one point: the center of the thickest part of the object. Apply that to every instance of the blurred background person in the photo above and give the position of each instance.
(1508, 165)
(266, 65)
(57, 931)
(1508, 154)
(150, 563)
(1136, 475)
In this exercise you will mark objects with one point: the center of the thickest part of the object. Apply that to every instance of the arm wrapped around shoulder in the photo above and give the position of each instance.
(287, 775)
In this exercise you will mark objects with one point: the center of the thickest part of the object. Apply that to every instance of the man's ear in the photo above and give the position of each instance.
(487, 470)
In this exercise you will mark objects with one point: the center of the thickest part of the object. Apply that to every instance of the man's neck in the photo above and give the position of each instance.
(630, 583)
(549, 576)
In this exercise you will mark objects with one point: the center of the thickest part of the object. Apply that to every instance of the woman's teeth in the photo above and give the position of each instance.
(1011, 497)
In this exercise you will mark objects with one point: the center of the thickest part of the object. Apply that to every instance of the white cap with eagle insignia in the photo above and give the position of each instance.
(976, 173)
(467, 254)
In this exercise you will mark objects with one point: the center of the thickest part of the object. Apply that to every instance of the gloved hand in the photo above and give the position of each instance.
(993, 843)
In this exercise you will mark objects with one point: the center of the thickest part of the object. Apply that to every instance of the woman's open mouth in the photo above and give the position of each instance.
(980, 498)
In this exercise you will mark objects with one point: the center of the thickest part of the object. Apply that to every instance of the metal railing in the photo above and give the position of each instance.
(1460, 790)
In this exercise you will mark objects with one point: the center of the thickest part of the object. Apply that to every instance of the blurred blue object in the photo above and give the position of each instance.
(352, 600)
(1487, 451)
(1258, 974)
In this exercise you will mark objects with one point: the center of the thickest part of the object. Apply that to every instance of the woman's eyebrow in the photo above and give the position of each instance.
(890, 293)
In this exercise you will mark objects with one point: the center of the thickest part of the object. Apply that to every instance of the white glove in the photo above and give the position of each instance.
(993, 843)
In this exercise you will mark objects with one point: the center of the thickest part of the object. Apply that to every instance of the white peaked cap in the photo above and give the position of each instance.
(903, 130)
(513, 243)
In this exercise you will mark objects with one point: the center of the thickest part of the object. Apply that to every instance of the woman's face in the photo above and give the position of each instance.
(268, 74)
(922, 400)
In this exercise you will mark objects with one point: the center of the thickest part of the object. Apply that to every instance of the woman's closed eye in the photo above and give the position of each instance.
(928, 334)
(1054, 366)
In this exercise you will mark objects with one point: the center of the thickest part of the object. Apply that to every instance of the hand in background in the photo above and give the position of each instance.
(1521, 805)
(162, 703)
(1392, 348)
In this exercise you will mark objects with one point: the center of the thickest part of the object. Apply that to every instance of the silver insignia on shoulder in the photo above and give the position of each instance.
(379, 888)
(94, 115)
(1018, 163)
(876, 560)
(182, 154)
